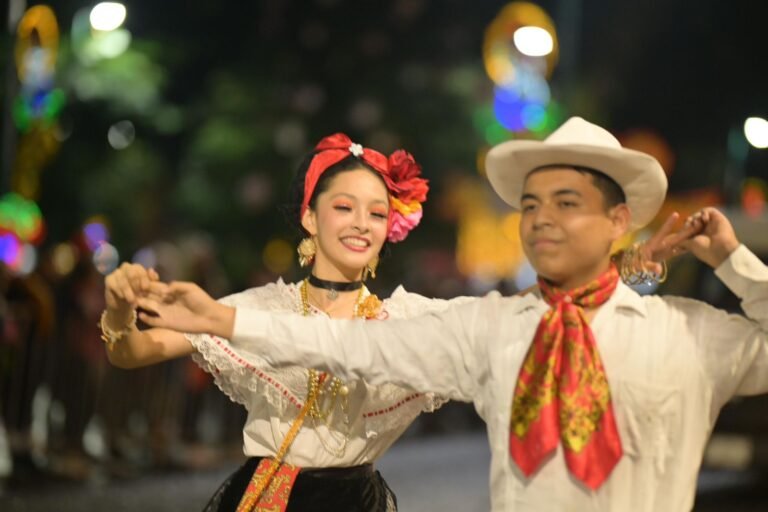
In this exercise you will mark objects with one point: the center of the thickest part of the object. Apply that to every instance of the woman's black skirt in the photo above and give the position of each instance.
(355, 489)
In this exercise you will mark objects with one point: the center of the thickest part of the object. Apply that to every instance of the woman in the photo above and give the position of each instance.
(310, 438)
(350, 200)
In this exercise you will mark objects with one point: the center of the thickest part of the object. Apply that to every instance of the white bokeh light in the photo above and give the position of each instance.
(107, 16)
(28, 260)
(533, 41)
(756, 132)
(121, 134)
(106, 258)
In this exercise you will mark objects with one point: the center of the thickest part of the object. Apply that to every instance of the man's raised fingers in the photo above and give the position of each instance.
(668, 226)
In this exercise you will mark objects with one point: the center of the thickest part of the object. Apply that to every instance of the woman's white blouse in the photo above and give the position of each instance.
(378, 415)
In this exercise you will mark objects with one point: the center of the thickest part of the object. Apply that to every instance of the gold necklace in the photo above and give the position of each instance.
(327, 392)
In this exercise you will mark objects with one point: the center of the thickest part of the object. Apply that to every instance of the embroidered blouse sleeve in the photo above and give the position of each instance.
(240, 374)
(734, 348)
(441, 351)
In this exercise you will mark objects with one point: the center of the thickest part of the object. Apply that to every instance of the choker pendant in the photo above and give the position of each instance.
(334, 287)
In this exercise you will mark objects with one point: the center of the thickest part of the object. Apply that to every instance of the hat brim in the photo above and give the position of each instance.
(640, 176)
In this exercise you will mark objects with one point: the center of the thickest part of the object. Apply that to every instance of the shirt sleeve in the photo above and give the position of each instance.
(441, 352)
(737, 347)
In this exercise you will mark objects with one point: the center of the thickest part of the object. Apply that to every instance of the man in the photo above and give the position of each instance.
(594, 398)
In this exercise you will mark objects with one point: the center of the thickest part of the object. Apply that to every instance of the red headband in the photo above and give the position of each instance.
(332, 150)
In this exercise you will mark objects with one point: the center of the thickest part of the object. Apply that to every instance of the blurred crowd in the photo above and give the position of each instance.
(67, 414)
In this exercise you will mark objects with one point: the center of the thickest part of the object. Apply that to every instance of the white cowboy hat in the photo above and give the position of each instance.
(582, 144)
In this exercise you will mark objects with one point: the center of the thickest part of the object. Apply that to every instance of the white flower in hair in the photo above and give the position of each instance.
(356, 149)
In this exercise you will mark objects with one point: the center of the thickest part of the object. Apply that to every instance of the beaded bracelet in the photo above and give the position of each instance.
(110, 336)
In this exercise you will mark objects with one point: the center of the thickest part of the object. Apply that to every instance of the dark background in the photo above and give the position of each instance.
(226, 97)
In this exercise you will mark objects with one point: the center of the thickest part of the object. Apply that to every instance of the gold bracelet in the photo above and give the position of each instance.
(110, 336)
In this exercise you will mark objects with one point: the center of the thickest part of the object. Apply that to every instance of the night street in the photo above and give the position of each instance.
(287, 228)
(435, 475)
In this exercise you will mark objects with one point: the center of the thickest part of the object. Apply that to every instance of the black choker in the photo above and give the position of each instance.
(334, 287)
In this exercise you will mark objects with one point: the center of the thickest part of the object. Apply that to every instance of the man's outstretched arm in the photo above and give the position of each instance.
(441, 352)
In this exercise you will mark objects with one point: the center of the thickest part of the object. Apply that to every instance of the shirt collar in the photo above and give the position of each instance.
(626, 298)
(531, 299)
(623, 297)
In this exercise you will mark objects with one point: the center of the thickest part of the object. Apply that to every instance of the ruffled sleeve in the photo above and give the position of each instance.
(242, 375)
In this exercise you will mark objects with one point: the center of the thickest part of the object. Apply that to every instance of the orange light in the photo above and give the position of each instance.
(37, 29)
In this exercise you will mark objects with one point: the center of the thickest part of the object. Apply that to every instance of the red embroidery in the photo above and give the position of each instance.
(259, 373)
(393, 407)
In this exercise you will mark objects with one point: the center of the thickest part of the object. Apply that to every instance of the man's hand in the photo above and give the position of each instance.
(715, 239)
(665, 244)
(185, 307)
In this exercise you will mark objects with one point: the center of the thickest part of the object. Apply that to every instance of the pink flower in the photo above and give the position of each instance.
(401, 225)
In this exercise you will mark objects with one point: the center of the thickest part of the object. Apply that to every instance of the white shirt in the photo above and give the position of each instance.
(273, 397)
(672, 363)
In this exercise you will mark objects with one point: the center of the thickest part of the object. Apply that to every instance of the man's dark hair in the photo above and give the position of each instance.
(613, 194)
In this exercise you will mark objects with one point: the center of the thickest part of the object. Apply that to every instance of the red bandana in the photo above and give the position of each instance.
(562, 393)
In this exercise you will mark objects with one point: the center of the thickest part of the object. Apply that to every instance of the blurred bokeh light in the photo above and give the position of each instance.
(106, 16)
(756, 132)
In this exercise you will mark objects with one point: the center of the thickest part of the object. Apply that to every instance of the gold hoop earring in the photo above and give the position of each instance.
(370, 268)
(306, 250)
